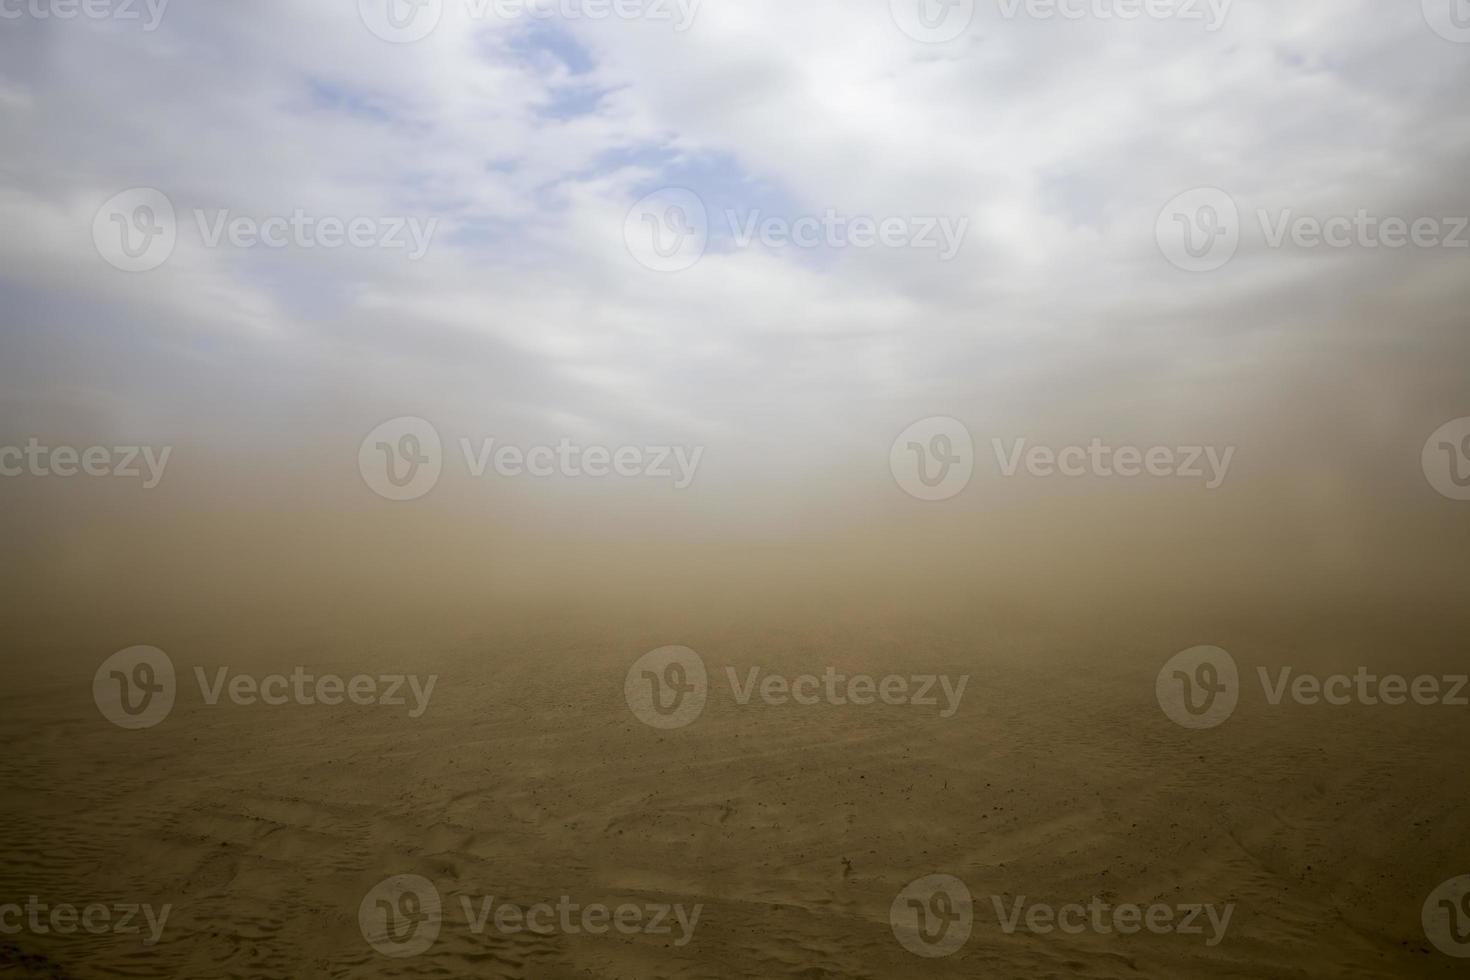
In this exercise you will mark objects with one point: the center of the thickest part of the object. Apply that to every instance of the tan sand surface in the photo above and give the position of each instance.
(528, 778)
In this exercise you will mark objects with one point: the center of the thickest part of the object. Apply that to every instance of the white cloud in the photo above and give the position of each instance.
(1058, 141)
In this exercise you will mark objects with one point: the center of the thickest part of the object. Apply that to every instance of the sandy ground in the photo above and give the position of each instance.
(793, 827)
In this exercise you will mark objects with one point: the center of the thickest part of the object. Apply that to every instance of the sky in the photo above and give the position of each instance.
(1025, 156)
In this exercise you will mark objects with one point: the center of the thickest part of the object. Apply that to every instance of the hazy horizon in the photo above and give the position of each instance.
(615, 375)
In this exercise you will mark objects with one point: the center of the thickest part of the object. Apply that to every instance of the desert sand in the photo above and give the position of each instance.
(793, 827)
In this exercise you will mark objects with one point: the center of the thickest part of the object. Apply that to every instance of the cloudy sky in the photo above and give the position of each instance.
(1048, 144)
